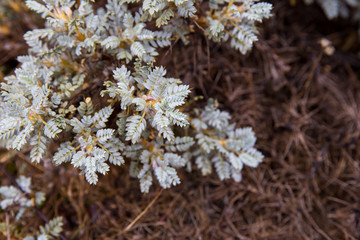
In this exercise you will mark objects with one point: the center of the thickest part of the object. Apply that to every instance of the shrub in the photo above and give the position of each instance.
(111, 53)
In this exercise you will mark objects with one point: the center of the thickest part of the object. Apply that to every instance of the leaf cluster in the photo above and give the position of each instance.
(140, 117)
(12, 199)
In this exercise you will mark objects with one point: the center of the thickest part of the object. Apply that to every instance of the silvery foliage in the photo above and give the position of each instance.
(152, 97)
(152, 158)
(164, 10)
(222, 145)
(151, 101)
(29, 111)
(40, 102)
(51, 230)
(235, 19)
(93, 144)
(337, 8)
(82, 31)
(12, 198)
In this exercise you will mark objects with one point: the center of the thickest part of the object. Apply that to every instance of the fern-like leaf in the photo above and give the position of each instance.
(51, 129)
(134, 127)
(251, 157)
(64, 153)
(53, 227)
(39, 144)
(180, 144)
(102, 116)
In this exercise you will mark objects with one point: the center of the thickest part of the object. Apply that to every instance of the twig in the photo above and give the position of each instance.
(7, 226)
(310, 77)
(143, 212)
(208, 57)
(200, 27)
(171, 47)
